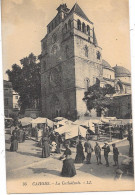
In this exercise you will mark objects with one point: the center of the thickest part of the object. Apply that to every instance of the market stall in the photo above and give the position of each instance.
(25, 121)
(41, 120)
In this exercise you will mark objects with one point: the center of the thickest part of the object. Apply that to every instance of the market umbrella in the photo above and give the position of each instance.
(59, 119)
(64, 129)
(76, 131)
(64, 122)
(86, 123)
(25, 121)
(41, 120)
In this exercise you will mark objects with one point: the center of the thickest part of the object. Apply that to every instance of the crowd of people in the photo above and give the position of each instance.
(52, 142)
(68, 168)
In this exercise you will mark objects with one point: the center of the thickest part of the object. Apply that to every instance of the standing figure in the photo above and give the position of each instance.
(88, 150)
(79, 153)
(14, 142)
(98, 153)
(20, 135)
(130, 139)
(52, 137)
(121, 132)
(68, 169)
(57, 142)
(115, 154)
(45, 148)
(106, 152)
(24, 135)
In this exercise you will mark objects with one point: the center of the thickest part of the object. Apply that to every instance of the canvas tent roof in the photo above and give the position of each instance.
(26, 121)
(64, 122)
(59, 119)
(75, 131)
(71, 131)
(41, 120)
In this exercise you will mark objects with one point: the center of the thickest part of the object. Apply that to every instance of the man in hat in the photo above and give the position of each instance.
(115, 154)
(98, 153)
(106, 152)
(88, 150)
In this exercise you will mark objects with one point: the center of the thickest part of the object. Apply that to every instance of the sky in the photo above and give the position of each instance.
(24, 25)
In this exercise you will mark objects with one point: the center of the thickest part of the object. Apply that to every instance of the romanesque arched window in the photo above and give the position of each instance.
(83, 27)
(88, 29)
(69, 24)
(66, 27)
(86, 50)
(78, 24)
(98, 55)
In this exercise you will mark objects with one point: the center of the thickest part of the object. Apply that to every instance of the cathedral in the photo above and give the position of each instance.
(71, 60)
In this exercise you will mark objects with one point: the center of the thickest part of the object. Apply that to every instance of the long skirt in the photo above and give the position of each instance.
(58, 148)
(68, 169)
(46, 151)
(79, 157)
(115, 158)
(14, 146)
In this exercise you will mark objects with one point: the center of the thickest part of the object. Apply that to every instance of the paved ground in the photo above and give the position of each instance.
(27, 162)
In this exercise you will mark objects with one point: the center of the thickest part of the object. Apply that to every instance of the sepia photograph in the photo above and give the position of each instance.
(67, 96)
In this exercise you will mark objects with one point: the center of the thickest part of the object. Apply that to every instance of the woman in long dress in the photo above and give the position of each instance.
(14, 142)
(45, 148)
(79, 153)
(58, 143)
(68, 169)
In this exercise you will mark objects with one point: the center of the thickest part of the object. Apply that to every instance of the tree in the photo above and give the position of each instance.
(26, 81)
(98, 98)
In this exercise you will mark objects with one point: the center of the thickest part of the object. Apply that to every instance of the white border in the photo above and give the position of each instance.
(2, 139)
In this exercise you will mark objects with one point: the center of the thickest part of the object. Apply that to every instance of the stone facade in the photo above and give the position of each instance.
(8, 98)
(122, 106)
(71, 60)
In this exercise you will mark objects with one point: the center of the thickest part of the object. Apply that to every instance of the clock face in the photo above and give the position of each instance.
(54, 38)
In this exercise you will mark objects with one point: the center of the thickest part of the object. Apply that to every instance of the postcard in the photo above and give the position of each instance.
(67, 96)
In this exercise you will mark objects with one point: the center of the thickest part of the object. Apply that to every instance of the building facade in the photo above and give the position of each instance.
(71, 60)
(8, 98)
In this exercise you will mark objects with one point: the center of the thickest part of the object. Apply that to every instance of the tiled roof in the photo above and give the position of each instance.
(76, 8)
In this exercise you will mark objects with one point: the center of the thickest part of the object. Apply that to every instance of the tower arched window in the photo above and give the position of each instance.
(98, 55)
(69, 24)
(78, 24)
(66, 27)
(88, 29)
(83, 27)
(86, 51)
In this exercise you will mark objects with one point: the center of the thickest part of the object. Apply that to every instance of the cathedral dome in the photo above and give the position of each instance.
(106, 65)
(120, 71)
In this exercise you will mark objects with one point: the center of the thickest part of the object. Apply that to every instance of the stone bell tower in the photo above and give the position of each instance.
(70, 62)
